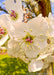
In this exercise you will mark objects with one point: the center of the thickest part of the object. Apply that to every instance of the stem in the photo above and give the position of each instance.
(44, 7)
(1, 9)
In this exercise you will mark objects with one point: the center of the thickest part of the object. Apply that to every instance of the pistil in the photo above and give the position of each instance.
(29, 40)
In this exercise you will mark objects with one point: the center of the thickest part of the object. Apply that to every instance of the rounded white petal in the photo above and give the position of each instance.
(11, 5)
(14, 48)
(38, 25)
(35, 66)
(31, 51)
(20, 30)
(4, 20)
(4, 39)
(51, 30)
(40, 41)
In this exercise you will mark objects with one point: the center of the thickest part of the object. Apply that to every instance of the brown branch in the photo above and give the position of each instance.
(44, 7)
(1, 9)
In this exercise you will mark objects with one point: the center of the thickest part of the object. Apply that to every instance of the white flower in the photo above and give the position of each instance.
(50, 20)
(6, 23)
(15, 10)
(35, 65)
(3, 32)
(40, 63)
(31, 37)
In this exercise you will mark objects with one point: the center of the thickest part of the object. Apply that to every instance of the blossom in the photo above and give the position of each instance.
(14, 8)
(32, 44)
(3, 32)
(30, 37)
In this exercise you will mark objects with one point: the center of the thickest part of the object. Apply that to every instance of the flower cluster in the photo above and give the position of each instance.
(32, 42)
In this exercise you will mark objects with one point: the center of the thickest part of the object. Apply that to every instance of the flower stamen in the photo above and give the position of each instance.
(13, 15)
(29, 40)
(2, 32)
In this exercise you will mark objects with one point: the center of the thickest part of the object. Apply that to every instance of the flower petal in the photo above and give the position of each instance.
(31, 51)
(41, 41)
(38, 25)
(50, 58)
(42, 56)
(5, 22)
(51, 24)
(4, 39)
(20, 30)
(35, 66)
(46, 64)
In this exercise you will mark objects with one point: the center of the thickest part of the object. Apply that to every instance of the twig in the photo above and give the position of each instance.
(1, 9)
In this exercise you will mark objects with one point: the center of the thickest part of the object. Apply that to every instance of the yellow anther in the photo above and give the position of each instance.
(20, 47)
(4, 50)
(31, 30)
(26, 0)
(42, 40)
(40, 34)
(24, 31)
(19, 43)
(27, 45)
(39, 48)
(38, 44)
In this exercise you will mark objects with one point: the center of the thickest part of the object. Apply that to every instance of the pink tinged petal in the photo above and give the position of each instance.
(35, 66)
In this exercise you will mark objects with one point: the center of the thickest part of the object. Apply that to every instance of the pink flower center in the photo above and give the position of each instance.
(1, 31)
(13, 14)
(29, 40)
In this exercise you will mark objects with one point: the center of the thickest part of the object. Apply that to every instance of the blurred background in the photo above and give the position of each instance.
(3, 6)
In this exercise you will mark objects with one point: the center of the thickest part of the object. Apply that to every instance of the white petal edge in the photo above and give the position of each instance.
(35, 66)
(43, 56)
(4, 39)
